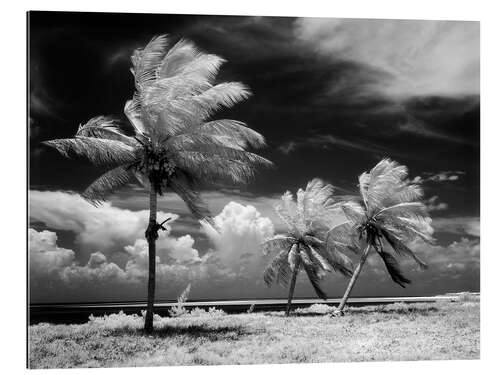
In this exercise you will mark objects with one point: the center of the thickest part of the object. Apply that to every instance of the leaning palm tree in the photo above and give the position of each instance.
(306, 245)
(174, 145)
(389, 216)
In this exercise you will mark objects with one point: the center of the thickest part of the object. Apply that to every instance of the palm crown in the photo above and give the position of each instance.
(390, 214)
(174, 144)
(307, 245)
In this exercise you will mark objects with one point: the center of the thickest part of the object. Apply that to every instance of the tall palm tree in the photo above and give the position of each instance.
(390, 215)
(306, 245)
(174, 144)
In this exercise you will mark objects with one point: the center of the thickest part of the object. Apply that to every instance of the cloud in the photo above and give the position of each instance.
(105, 228)
(457, 225)
(240, 231)
(415, 58)
(328, 141)
(45, 256)
(432, 204)
(49, 262)
(235, 254)
(443, 176)
(457, 256)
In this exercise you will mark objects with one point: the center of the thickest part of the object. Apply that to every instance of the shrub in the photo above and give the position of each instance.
(179, 309)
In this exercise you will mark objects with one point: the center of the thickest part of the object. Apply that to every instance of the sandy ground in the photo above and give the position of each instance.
(443, 330)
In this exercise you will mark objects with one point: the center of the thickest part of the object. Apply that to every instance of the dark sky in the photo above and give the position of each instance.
(331, 96)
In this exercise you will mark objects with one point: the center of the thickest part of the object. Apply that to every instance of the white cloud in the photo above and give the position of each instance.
(457, 256)
(461, 225)
(437, 177)
(50, 262)
(418, 57)
(105, 228)
(45, 256)
(433, 204)
(240, 231)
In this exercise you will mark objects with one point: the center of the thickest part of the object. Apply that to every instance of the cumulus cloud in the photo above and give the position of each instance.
(240, 231)
(45, 256)
(414, 57)
(235, 254)
(106, 228)
(49, 262)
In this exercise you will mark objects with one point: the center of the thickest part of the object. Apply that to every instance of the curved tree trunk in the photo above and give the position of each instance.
(151, 236)
(292, 287)
(354, 277)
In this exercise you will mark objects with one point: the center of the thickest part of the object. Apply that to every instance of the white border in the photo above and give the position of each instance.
(13, 149)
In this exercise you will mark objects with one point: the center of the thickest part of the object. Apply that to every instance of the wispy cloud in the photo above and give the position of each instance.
(433, 204)
(438, 177)
(461, 225)
(418, 58)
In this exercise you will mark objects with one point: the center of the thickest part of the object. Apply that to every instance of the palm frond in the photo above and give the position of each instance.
(229, 130)
(175, 60)
(334, 253)
(353, 211)
(277, 243)
(104, 127)
(278, 269)
(286, 210)
(133, 112)
(146, 61)
(393, 268)
(318, 259)
(222, 95)
(97, 192)
(99, 151)
(215, 168)
(401, 249)
(205, 65)
(314, 278)
(404, 209)
(181, 184)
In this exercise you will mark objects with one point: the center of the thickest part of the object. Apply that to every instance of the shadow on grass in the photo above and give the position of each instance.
(192, 331)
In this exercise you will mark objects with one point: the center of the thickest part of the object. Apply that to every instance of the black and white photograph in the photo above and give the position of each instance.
(251, 189)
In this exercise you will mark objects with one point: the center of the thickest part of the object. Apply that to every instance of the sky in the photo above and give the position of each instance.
(331, 96)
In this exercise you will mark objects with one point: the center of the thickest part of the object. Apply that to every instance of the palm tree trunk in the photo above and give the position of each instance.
(354, 277)
(292, 287)
(151, 236)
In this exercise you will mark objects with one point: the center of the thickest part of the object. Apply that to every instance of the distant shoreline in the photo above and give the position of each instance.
(79, 312)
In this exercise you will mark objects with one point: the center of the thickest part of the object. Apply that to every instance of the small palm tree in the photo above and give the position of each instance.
(174, 146)
(390, 214)
(306, 245)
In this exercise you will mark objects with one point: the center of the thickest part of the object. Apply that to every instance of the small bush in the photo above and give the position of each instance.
(179, 309)
(317, 308)
(211, 313)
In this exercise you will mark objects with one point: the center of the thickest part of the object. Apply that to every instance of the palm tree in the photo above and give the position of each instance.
(306, 245)
(174, 146)
(390, 214)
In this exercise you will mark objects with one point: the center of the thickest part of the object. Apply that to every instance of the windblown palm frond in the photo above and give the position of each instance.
(392, 215)
(100, 151)
(307, 245)
(108, 183)
(175, 143)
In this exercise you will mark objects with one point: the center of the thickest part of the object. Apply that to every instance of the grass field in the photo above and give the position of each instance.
(442, 330)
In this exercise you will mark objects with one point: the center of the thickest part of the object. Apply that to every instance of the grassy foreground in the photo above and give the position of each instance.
(379, 333)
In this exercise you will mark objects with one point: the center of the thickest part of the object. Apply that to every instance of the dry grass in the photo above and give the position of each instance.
(379, 333)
